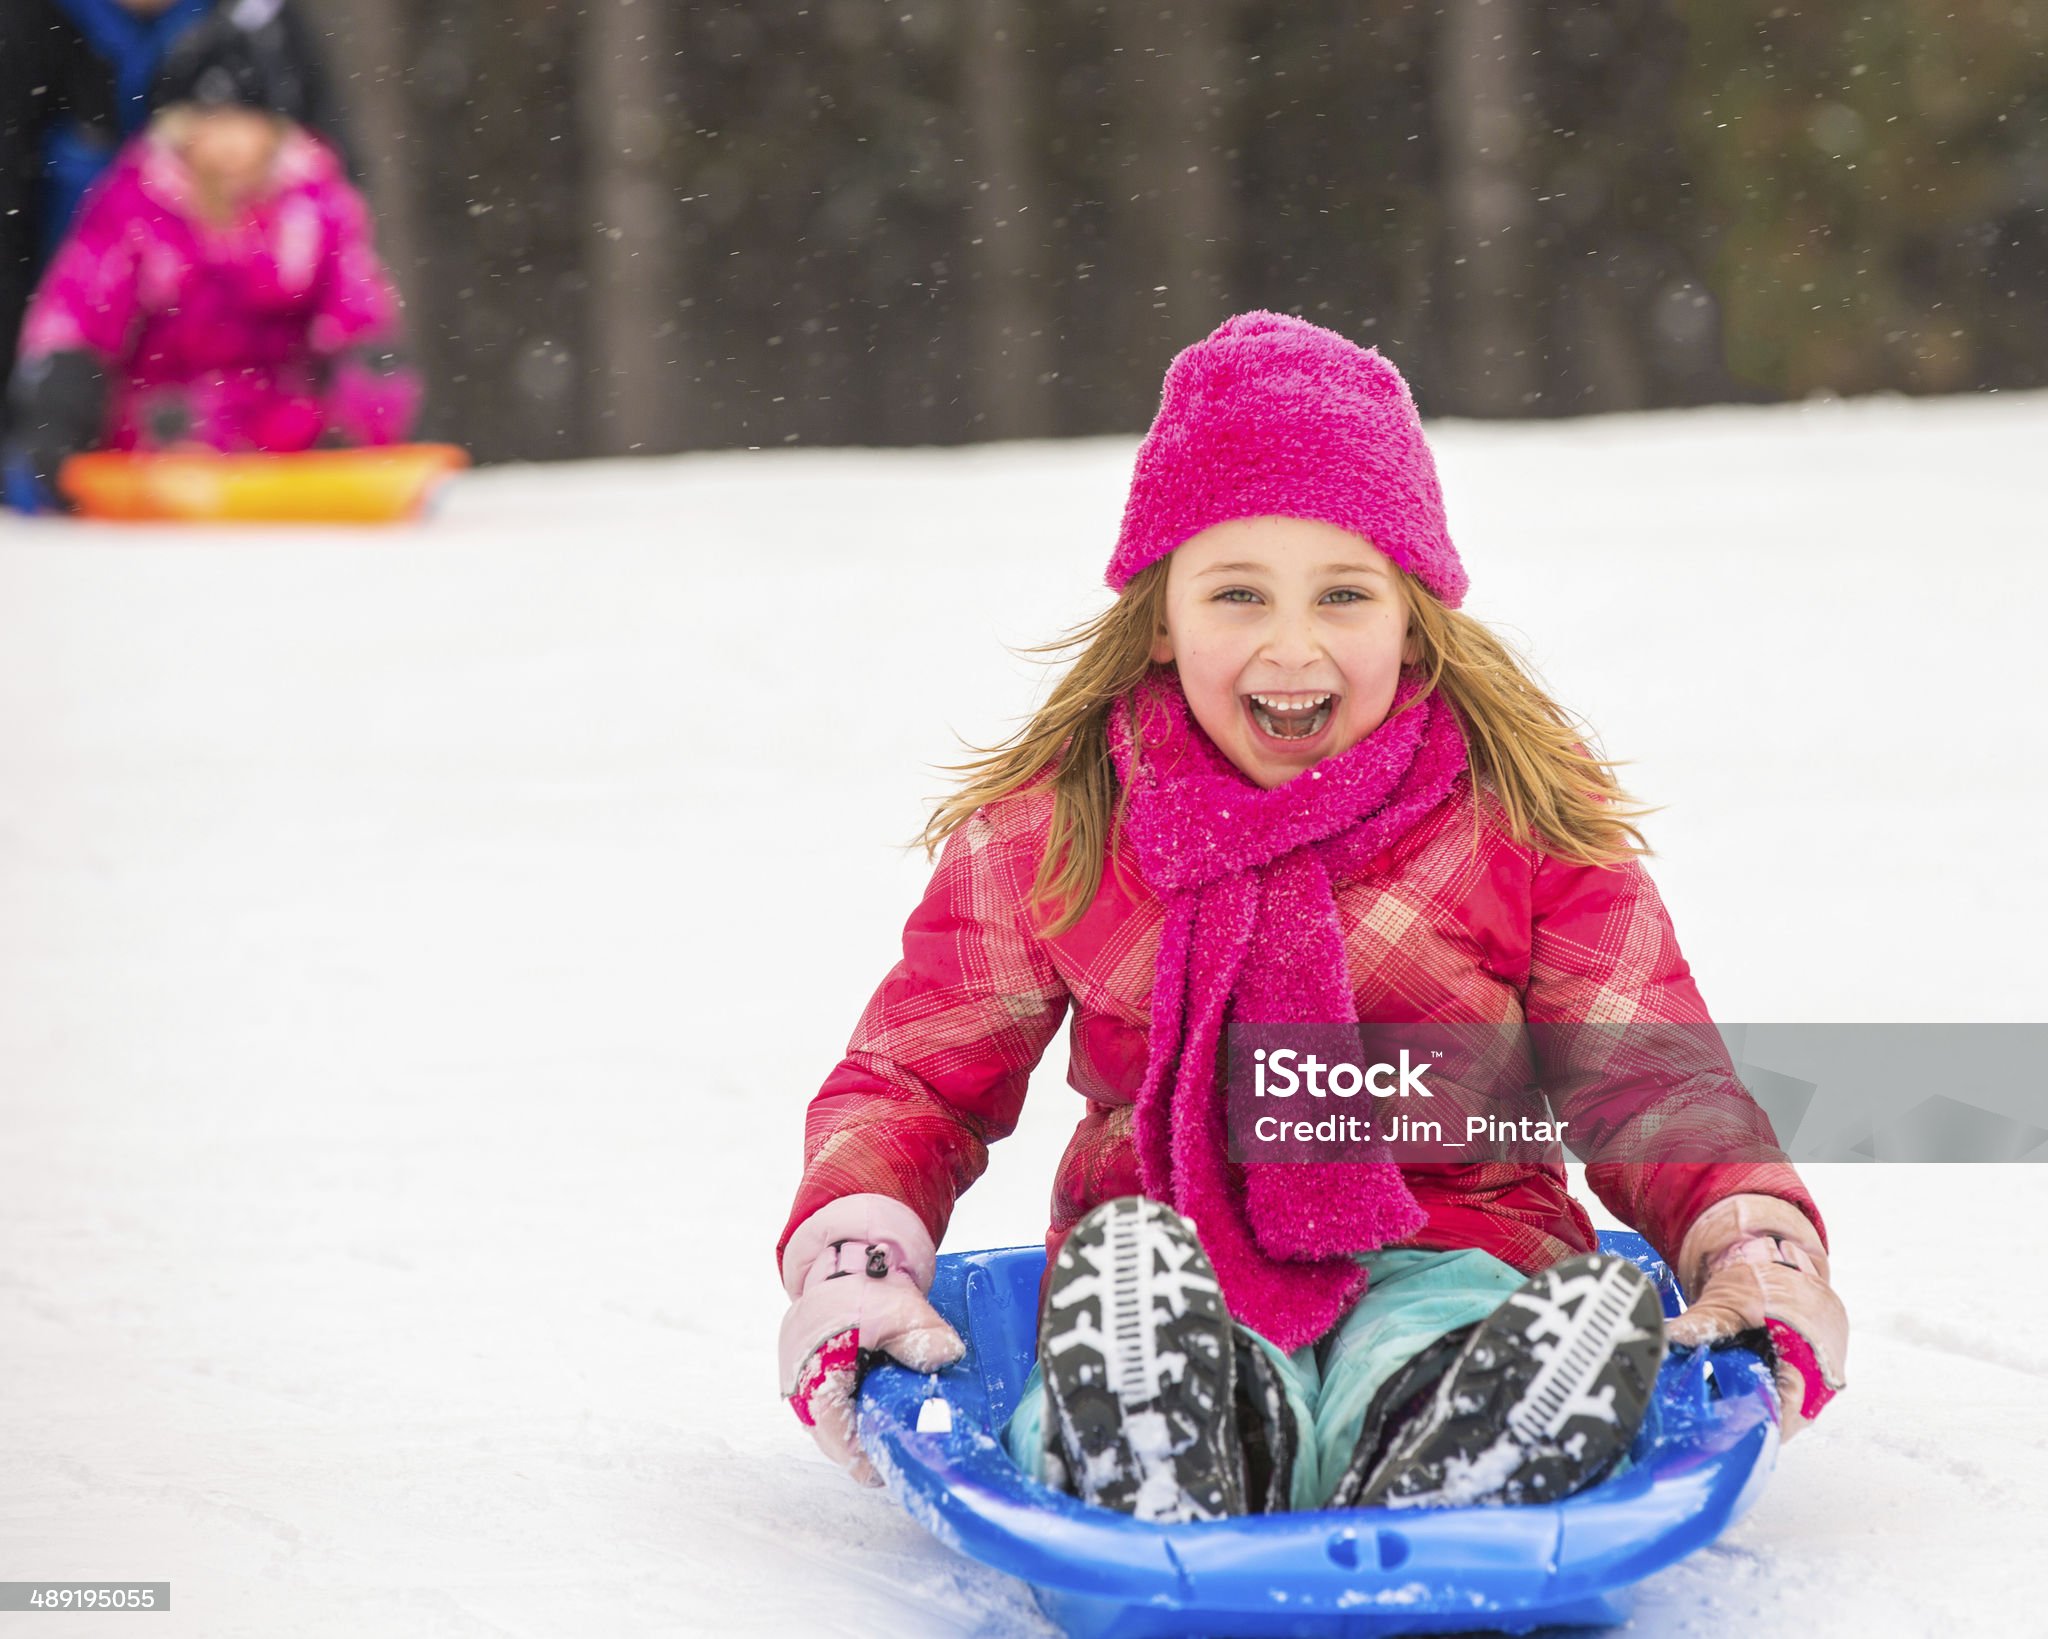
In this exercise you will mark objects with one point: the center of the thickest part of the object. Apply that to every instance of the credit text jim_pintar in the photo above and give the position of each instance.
(1285, 1073)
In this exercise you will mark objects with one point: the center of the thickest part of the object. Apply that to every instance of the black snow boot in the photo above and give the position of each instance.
(1139, 1366)
(1396, 1403)
(1539, 1401)
(1266, 1428)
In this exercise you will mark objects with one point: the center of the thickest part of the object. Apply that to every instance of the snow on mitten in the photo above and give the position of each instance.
(1753, 1268)
(856, 1271)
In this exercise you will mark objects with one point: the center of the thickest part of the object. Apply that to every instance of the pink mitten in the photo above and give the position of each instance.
(857, 1270)
(372, 398)
(1754, 1263)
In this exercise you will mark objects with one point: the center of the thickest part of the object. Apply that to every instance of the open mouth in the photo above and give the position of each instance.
(1291, 716)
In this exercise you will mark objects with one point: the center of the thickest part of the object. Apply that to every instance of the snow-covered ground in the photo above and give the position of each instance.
(416, 950)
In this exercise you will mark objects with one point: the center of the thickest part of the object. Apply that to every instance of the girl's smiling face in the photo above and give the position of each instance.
(1289, 636)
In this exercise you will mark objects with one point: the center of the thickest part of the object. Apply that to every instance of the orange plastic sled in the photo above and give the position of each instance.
(366, 486)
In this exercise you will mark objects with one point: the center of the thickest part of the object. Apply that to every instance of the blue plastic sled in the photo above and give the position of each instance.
(1701, 1459)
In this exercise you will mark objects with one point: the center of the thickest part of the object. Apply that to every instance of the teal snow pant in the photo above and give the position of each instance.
(1412, 1299)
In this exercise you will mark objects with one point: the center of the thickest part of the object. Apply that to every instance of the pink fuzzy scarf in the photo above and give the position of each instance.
(1251, 935)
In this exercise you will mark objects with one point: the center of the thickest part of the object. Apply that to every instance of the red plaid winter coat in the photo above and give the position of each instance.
(939, 1062)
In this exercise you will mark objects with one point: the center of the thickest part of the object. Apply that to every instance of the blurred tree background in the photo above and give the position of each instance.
(641, 225)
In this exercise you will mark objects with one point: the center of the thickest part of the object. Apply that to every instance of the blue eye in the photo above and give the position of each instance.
(1241, 595)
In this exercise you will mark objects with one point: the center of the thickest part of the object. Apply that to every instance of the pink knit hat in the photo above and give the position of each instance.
(1272, 416)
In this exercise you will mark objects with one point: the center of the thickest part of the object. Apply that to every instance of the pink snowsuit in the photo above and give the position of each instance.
(244, 331)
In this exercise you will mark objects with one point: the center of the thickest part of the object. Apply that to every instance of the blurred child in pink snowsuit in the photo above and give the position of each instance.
(220, 290)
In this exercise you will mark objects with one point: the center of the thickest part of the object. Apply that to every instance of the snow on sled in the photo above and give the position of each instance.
(359, 486)
(1702, 1457)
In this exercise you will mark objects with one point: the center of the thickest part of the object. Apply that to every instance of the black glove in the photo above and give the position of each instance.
(167, 418)
(56, 406)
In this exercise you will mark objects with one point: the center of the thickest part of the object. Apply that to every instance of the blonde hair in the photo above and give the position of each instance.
(1549, 789)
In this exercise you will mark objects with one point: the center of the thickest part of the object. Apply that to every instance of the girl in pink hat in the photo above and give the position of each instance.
(1287, 782)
